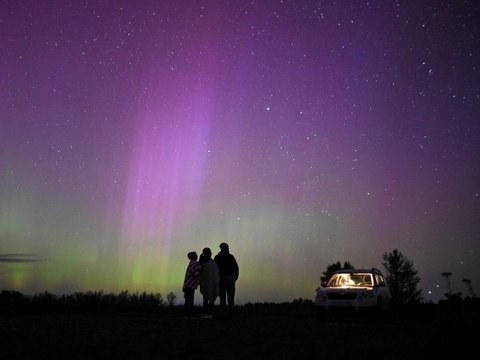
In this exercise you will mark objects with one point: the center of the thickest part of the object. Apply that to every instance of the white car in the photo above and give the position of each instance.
(353, 291)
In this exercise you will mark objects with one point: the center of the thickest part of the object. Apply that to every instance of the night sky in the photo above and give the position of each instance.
(300, 132)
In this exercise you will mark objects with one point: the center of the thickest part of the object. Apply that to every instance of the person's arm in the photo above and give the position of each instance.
(237, 270)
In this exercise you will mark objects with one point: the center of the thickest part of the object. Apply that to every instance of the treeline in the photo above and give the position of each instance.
(90, 301)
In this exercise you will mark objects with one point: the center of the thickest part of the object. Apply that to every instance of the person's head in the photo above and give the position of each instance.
(192, 255)
(207, 253)
(224, 247)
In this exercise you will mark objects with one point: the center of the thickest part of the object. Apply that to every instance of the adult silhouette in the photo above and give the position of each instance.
(229, 272)
(209, 281)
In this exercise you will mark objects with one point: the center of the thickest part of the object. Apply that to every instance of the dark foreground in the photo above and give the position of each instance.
(267, 334)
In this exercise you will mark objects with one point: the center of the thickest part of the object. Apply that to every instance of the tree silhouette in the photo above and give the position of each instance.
(402, 278)
(447, 275)
(468, 284)
(334, 267)
(171, 297)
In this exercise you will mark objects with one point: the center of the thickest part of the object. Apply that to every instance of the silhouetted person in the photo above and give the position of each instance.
(228, 267)
(192, 279)
(209, 281)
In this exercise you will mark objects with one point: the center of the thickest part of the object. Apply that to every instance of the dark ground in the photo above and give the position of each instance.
(268, 332)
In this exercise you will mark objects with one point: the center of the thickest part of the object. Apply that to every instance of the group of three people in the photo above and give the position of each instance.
(216, 278)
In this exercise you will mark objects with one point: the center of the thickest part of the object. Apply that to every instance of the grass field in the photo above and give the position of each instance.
(255, 332)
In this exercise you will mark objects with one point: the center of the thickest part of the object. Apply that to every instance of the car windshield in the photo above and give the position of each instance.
(347, 279)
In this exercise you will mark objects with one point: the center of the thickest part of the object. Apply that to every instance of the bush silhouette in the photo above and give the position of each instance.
(90, 301)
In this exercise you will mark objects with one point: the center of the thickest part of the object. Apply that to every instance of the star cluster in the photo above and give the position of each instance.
(300, 132)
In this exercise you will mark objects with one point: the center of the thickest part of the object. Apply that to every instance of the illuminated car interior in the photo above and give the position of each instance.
(351, 280)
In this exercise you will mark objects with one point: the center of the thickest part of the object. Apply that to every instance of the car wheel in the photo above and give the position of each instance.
(378, 311)
(382, 313)
(320, 314)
